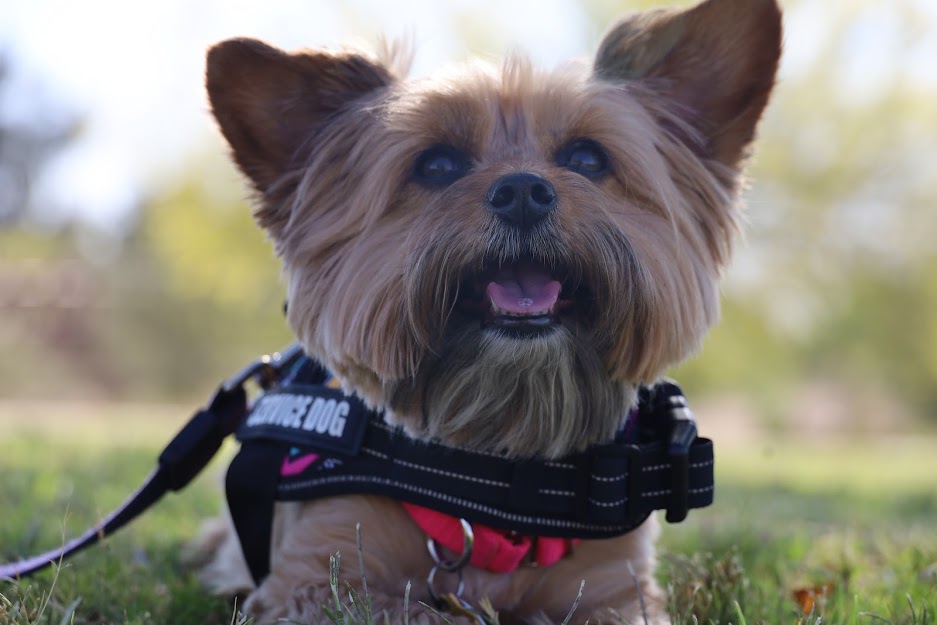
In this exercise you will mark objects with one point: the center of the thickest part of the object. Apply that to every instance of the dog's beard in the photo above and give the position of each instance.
(544, 396)
(454, 368)
(523, 388)
(430, 344)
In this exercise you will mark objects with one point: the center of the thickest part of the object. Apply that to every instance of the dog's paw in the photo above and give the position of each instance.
(308, 604)
(215, 554)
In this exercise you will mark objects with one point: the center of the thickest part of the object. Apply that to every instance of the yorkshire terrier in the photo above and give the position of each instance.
(497, 258)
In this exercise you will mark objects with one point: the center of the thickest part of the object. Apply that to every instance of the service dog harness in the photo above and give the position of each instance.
(303, 439)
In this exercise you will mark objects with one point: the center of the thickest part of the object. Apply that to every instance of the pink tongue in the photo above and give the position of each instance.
(524, 289)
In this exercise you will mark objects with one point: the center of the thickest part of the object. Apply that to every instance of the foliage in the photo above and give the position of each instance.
(189, 297)
(836, 284)
(836, 279)
(26, 147)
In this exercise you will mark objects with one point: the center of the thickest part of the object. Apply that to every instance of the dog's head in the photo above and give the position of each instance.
(498, 257)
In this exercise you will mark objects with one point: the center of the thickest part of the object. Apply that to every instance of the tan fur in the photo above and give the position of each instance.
(375, 262)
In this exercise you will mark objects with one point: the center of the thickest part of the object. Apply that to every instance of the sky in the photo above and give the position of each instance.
(133, 71)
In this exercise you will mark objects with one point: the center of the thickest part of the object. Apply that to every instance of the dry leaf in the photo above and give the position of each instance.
(807, 598)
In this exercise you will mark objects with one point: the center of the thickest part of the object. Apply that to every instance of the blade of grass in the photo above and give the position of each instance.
(738, 612)
(364, 579)
(406, 604)
(572, 610)
(335, 562)
(69, 615)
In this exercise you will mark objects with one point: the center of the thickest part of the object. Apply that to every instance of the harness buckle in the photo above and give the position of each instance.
(682, 434)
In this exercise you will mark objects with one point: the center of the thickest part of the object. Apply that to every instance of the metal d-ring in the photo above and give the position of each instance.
(451, 566)
(432, 589)
(468, 544)
(267, 369)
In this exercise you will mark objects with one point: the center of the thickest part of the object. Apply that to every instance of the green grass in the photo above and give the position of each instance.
(857, 518)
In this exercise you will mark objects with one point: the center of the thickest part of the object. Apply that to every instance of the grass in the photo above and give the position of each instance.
(849, 527)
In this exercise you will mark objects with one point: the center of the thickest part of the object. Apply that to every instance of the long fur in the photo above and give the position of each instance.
(378, 267)
(650, 252)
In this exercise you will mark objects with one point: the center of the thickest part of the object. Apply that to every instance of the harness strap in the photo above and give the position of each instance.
(607, 491)
(331, 444)
(602, 493)
(498, 551)
(181, 460)
(250, 488)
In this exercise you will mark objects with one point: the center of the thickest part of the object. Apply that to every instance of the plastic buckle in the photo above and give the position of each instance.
(682, 435)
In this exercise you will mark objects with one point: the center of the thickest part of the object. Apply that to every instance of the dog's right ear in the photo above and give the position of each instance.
(268, 103)
(714, 64)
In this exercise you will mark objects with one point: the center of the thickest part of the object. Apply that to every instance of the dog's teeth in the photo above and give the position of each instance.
(497, 311)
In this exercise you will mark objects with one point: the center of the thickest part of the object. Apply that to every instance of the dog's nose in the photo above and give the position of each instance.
(522, 200)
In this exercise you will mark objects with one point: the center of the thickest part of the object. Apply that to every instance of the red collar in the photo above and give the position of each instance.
(498, 551)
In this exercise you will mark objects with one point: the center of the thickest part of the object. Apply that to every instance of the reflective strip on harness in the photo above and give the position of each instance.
(325, 443)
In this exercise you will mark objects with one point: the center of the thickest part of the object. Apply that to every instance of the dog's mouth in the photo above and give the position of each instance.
(523, 297)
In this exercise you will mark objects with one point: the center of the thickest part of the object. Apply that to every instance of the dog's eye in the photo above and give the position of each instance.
(584, 157)
(440, 165)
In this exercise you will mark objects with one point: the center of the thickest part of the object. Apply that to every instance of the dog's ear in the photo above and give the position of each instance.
(269, 102)
(715, 64)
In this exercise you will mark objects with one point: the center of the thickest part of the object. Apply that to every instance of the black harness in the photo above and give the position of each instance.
(302, 440)
(305, 441)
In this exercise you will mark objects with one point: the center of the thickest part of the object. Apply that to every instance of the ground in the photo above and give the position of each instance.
(843, 524)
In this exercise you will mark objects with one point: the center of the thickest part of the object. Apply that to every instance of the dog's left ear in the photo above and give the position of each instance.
(714, 63)
(269, 103)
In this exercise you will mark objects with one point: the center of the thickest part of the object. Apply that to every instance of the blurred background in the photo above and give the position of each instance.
(131, 271)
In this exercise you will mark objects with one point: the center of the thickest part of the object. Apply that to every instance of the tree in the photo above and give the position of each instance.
(27, 142)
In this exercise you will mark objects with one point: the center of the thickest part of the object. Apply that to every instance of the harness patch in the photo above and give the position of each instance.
(306, 415)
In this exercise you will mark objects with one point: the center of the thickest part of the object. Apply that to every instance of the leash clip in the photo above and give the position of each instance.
(450, 566)
(266, 370)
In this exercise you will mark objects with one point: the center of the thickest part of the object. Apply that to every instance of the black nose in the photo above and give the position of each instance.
(522, 200)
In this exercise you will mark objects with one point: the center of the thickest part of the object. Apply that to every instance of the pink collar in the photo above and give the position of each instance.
(498, 551)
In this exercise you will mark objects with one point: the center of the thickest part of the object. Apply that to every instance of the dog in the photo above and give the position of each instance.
(497, 258)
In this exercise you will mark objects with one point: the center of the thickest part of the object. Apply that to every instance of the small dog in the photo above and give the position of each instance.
(497, 258)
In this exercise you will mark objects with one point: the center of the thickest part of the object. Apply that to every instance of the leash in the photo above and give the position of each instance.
(182, 459)
(302, 440)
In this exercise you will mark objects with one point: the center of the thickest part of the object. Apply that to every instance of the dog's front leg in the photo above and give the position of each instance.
(619, 588)
(306, 538)
(278, 601)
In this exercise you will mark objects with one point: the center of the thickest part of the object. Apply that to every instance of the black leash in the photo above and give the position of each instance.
(303, 440)
(182, 459)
